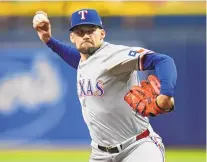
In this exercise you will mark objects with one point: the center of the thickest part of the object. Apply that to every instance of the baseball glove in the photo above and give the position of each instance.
(143, 98)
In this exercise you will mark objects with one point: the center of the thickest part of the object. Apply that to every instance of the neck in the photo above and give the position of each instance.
(84, 56)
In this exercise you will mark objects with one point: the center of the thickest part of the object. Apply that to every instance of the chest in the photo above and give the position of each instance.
(91, 79)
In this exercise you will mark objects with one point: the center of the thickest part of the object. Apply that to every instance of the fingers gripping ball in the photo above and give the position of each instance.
(40, 19)
(143, 98)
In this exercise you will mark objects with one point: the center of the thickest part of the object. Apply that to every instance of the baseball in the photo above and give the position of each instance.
(39, 19)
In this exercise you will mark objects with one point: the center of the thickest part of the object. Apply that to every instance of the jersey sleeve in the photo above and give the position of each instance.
(69, 54)
(127, 60)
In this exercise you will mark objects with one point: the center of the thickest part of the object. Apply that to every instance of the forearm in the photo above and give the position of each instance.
(165, 70)
(69, 54)
(167, 73)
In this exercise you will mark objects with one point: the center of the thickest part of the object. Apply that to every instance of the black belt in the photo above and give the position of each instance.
(116, 150)
(109, 149)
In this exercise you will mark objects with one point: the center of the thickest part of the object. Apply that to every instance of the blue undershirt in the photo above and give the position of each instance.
(163, 65)
(165, 69)
(69, 54)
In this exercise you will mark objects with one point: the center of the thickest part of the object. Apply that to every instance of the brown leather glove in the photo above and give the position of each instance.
(143, 98)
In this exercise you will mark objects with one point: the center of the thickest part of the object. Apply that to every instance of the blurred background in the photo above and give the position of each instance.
(40, 115)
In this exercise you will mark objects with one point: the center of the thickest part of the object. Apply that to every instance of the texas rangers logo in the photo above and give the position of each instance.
(141, 51)
(82, 13)
(86, 88)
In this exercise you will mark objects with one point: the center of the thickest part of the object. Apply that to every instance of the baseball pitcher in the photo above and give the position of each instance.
(116, 104)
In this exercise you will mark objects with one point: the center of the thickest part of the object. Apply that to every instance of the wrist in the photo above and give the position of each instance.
(49, 40)
(46, 39)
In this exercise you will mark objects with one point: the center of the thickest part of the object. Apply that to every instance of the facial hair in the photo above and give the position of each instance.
(89, 50)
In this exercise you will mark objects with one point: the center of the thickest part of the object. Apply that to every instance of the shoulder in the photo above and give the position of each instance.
(114, 49)
(118, 47)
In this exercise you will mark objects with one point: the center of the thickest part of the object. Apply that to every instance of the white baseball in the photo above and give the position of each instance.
(39, 19)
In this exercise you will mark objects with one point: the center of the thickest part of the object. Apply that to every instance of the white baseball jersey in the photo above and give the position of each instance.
(102, 82)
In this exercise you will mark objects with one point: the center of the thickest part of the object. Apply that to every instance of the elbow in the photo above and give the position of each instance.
(167, 58)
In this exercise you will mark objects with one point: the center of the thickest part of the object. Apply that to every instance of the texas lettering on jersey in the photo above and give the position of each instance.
(87, 88)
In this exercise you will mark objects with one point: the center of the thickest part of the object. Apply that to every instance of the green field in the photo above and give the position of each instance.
(172, 155)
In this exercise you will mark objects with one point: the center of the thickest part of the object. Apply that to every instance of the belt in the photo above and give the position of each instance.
(116, 149)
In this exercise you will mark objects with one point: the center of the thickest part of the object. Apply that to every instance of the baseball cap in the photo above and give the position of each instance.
(85, 16)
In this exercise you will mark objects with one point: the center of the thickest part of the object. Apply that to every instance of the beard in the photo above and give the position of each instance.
(89, 50)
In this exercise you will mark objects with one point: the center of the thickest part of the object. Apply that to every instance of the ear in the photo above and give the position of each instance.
(103, 34)
(72, 38)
